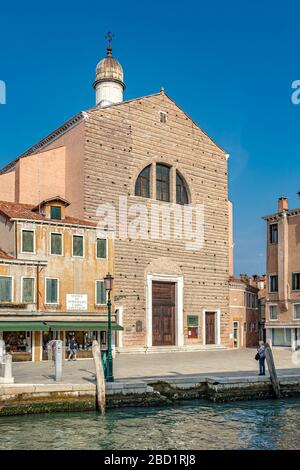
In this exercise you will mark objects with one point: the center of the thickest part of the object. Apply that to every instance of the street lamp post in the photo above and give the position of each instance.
(108, 281)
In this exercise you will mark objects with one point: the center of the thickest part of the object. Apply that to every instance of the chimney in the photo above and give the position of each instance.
(283, 204)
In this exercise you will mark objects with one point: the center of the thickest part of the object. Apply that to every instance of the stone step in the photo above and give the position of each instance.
(169, 349)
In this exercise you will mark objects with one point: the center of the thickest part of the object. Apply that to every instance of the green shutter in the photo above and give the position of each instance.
(77, 245)
(56, 244)
(101, 293)
(28, 291)
(101, 248)
(51, 291)
(27, 241)
(5, 289)
(294, 281)
(55, 213)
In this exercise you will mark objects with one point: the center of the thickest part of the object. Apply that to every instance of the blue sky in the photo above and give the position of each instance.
(230, 65)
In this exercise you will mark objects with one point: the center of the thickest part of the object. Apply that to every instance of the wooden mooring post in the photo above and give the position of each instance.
(272, 370)
(100, 379)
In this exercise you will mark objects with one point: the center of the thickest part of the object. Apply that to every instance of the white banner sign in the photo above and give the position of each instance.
(77, 302)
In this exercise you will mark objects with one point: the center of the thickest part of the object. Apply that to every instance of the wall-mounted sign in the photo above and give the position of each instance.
(193, 320)
(193, 326)
(77, 302)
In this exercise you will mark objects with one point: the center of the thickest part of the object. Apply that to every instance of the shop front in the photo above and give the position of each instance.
(20, 339)
(31, 341)
(84, 334)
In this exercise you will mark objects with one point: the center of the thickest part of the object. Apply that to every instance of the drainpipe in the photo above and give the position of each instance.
(283, 254)
(16, 239)
(37, 289)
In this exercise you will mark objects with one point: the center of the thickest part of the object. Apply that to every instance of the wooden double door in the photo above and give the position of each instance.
(163, 313)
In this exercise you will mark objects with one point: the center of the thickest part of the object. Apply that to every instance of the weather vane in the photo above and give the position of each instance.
(109, 37)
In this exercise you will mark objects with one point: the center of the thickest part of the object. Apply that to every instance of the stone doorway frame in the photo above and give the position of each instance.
(179, 329)
(217, 325)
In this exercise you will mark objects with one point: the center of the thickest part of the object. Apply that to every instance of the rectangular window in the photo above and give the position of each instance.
(77, 245)
(163, 117)
(6, 289)
(297, 311)
(28, 241)
(51, 291)
(274, 233)
(274, 283)
(101, 248)
(296, 281)
(55, 213)
(100, 293)
(28, 290)
(56, 244)
(273, 312)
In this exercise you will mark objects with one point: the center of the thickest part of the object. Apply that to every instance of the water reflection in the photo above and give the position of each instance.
(266, 424)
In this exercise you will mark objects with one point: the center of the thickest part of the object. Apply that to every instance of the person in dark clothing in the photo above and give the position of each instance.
(73, 349)
(262, 358)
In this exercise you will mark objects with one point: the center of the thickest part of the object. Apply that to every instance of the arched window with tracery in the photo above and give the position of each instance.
(162, 183)
(181, 190)
(142, 184)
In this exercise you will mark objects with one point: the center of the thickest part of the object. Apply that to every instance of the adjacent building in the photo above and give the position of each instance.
(244, 313)
(283, 276)
(139, 163)
(52, 268)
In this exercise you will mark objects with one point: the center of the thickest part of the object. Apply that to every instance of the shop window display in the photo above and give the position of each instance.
(19, 345)
(84, 341)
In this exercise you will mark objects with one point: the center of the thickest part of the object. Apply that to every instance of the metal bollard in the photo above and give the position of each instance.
(58, 360)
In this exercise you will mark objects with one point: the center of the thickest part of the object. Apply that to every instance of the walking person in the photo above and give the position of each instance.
(73, 349)
(261, 351)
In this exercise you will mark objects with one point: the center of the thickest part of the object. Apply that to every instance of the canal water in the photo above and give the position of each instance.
(198, 425)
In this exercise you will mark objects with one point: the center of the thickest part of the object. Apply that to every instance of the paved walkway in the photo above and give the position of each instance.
(222, 363)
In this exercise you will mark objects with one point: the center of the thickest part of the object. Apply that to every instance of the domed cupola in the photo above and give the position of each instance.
(109, 84)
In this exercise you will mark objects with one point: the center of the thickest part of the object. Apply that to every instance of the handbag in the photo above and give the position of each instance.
(257, 356)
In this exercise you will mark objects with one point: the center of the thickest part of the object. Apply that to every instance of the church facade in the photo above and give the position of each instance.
(157, 184)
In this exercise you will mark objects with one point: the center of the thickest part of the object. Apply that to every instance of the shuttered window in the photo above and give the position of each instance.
(100, 293)
(273, 312)
(28, 290)
(274, 283)
(27, 241)
(297, 311)
(55, 213)
(5, 289)
(274, 233)
(56, 244)
(296, 281)
(101, 248)
(51, 291)
(77, 245)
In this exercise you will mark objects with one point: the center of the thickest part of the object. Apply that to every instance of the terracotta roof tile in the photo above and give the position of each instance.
(14, 210)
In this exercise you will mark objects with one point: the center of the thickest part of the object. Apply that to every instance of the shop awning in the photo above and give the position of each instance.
(82, 326)
(23, 326)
